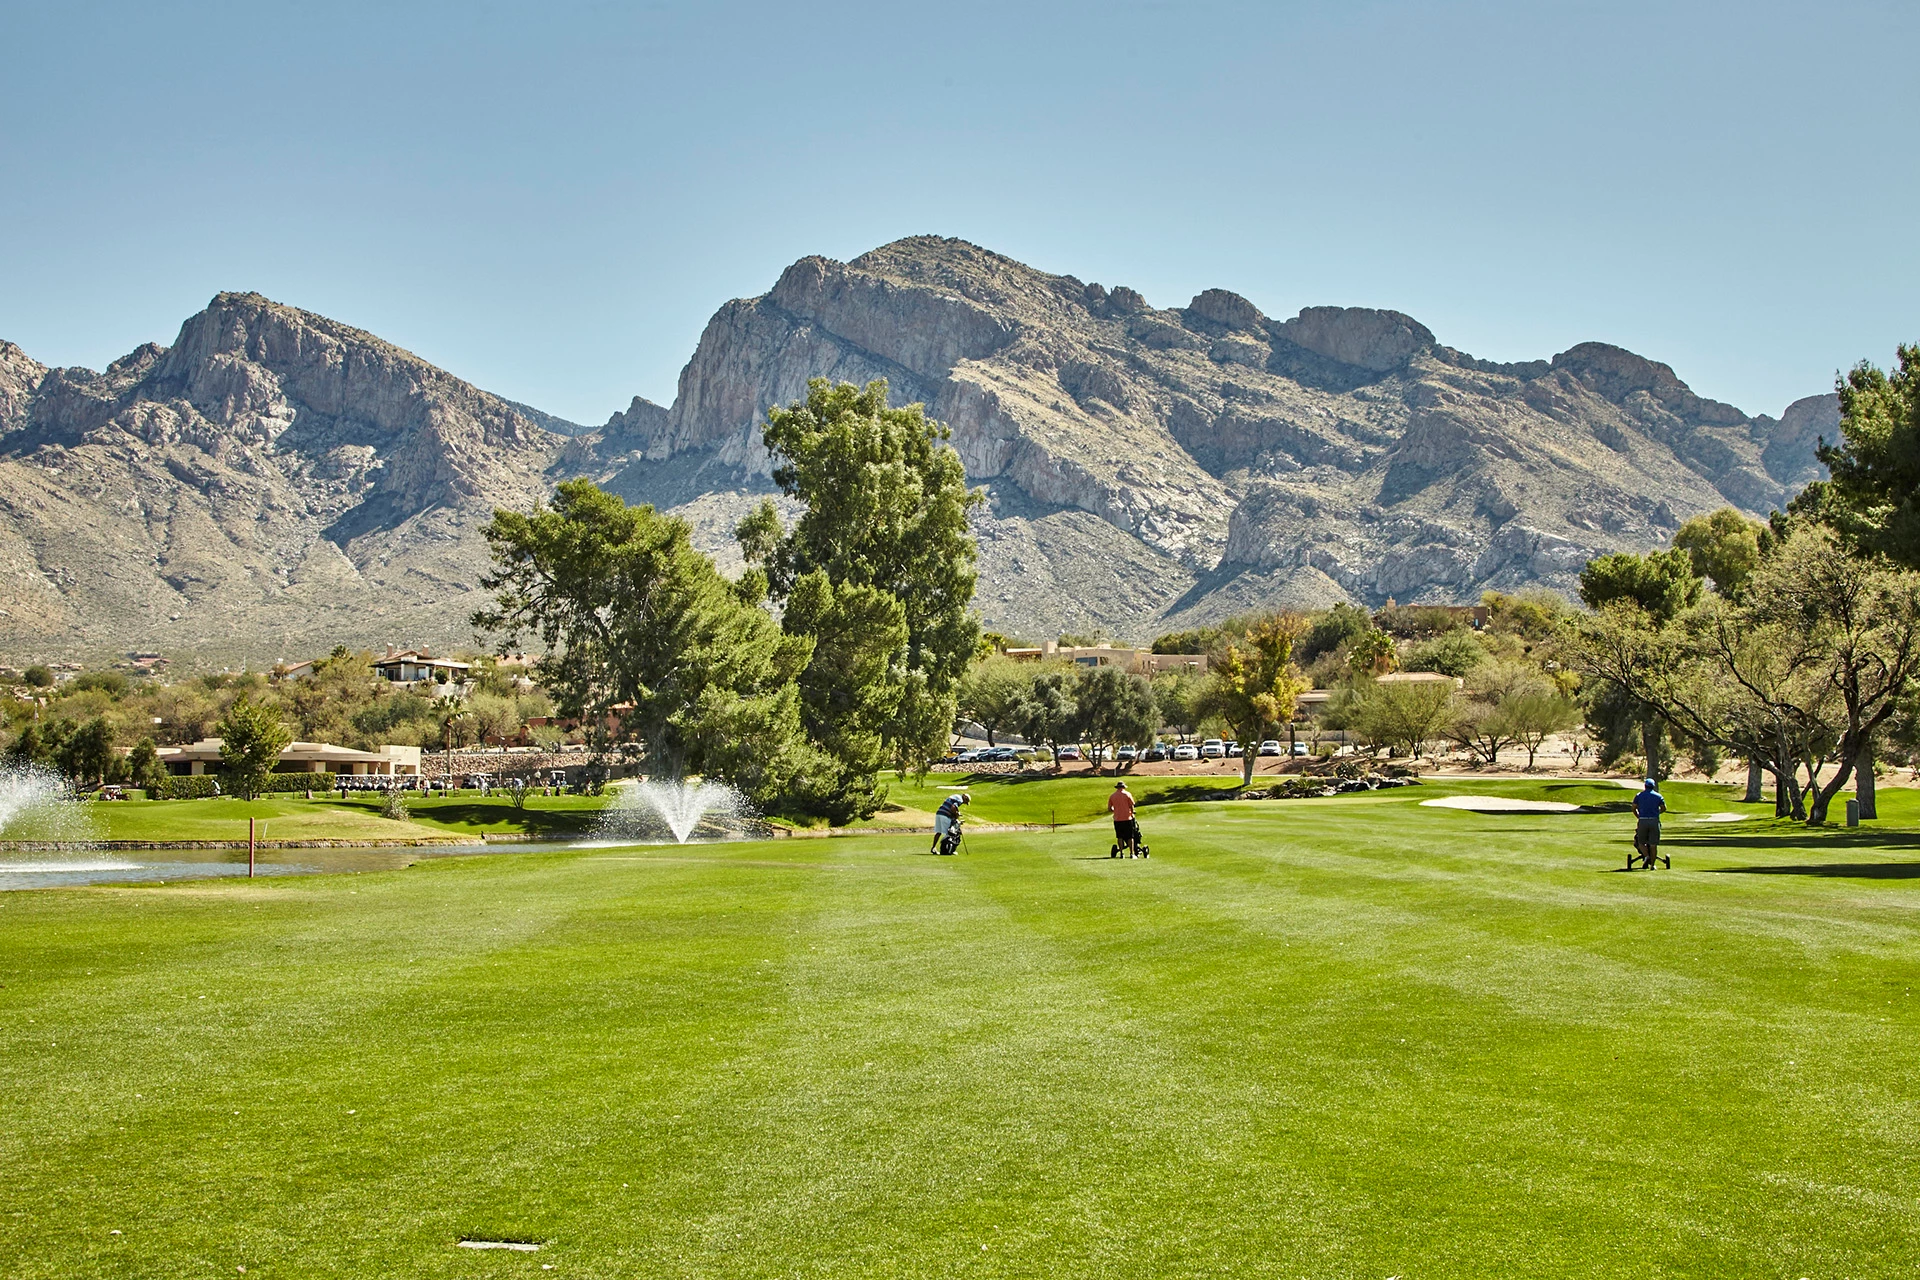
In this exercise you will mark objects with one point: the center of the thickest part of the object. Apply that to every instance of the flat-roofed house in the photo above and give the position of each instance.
(416, 666)
(301, 757)
(1143, 661)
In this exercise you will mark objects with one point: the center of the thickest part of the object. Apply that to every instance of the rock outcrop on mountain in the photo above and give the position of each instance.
(275, 483)
(1148, 466)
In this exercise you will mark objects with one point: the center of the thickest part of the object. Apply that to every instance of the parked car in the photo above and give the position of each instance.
(1213, 749)
(1127, 753)
(999, 755)
(1071, 753)
(1301, 749)
(968, 757)
(1154, 753)
(1233, 750)
(1186, 751)
(1271, 747)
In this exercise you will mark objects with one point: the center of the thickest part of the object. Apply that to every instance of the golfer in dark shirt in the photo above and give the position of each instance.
(1648, 806)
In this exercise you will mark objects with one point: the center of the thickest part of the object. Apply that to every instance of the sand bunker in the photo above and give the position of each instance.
(1721, 817)
(1500, 804)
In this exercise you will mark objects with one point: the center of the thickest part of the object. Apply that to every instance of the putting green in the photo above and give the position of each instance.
(1350, 1037)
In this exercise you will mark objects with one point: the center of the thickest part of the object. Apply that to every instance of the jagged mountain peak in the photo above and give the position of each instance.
(1343, 452)
(275, 482)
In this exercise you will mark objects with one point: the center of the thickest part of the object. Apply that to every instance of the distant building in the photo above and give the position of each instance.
(1420, 677)
(417, 666)
(301, 757)
(1142, 661)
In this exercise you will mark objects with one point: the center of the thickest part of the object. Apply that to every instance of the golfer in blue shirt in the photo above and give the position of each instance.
(1647, 807)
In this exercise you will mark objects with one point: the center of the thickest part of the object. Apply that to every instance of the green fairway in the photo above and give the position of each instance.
(1324, 1038)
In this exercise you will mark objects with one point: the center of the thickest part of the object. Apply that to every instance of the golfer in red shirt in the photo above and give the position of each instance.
(1126, 829)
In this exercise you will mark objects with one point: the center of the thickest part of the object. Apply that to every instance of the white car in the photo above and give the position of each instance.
(1213, 749)
(1300, 749)
(1271, 747)
(1186, 751)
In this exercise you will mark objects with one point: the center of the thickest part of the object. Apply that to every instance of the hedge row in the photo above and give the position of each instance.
(187, 787)
(200, 786)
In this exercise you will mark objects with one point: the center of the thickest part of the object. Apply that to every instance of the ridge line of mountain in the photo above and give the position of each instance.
(277, 479)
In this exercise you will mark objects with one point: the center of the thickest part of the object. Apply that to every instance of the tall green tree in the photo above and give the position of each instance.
(1114, 709)
(1049, 716)
(1722, 546)
(1873, 497)
(252, 736)
(851, 694)
(991, 691)
(144, 769)
(1661, 585)
(885, 510)
(639, 627)
(1255, 686)
(87, 754)
(1403, 714)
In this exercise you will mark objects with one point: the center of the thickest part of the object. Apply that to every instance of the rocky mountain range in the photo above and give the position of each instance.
(275, 482)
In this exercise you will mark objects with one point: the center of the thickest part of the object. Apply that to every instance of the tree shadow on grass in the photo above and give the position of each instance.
(1835, 870)
(1188, 794)
(479, 813)
(1801, 838)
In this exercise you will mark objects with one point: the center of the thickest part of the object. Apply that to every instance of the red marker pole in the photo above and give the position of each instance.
(249, 848)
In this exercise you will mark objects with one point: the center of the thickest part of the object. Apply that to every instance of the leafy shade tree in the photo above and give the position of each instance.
(1451, 653)
(1255, 686)
(1404, 714)
(1115, 710)
(252, 736)
(852, 698)
(29, 747)
(1328, 630)
(1873, 498)
(38, 677)
(1818, 660)
(87, 755)
(1722, 547)
(991, 692)
(1662, 585)
(144, 769)
(1177, 701)
(1531, 615)
(1860, 623)
(1536, 715)
(326, 702)
(886, 511)
(640, 629)
(1049, 716)
(1196, 640)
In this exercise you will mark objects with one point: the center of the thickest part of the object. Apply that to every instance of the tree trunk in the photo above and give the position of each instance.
(1863, 781)
(1650, 745)
(1823, 796)
(1753, 781)
(1248, 759)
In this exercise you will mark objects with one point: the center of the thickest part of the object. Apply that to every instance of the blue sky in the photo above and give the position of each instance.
(550, 200)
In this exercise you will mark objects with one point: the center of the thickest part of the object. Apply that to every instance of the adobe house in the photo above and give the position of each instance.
(301, 757)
